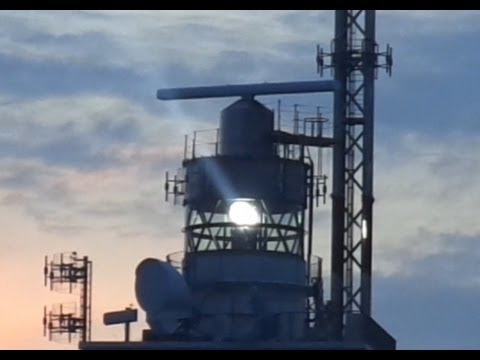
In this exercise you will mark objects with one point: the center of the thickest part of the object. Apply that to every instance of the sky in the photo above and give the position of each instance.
(84, 146)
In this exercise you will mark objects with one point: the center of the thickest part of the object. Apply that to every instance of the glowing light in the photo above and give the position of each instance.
(364, 229)
(243, 213)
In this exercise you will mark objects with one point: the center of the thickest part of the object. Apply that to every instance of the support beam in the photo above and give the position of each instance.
(338, 191)
(247, 90)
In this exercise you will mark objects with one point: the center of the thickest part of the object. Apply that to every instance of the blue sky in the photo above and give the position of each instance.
(84, 146)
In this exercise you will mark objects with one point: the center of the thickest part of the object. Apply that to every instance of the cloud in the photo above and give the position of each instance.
(84, 131)
(84, 144)
(142, 51)
(431, 302)
(427, 317)
(81, 165)
(428, 22)
(424, 186)
(78, 202)
(145, 42)
(139, 39)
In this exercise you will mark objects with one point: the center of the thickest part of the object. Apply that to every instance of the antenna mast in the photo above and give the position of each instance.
(354, 60)
(63, 274)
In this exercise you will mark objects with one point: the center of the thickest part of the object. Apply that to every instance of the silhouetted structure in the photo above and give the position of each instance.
(68, 272)
(247, 277)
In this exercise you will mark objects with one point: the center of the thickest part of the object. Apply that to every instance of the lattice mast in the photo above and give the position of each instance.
(354, 59)
(68, 272)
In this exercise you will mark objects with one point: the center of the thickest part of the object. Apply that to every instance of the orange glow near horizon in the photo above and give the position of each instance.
(23, 294)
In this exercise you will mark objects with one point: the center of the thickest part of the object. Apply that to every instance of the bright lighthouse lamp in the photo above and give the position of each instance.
(243, 213)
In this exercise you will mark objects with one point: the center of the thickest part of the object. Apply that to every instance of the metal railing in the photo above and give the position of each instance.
(176, 260)
(315, 268)
(201, 143)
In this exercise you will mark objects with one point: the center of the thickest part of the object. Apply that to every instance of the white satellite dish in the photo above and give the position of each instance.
(163, 294)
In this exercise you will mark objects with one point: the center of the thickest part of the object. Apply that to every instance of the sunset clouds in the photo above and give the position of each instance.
(84, 146)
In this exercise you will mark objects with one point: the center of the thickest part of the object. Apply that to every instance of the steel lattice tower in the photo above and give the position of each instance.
(354, 59)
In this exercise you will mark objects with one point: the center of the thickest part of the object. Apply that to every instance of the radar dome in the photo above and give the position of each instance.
(163, 294)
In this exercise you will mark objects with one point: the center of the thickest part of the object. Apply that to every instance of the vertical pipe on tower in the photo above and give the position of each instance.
(367, 181)
(338, 191)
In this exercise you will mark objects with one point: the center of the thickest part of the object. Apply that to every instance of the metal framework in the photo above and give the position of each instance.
(65, 272)
(355, 60)
(207, 231)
